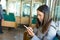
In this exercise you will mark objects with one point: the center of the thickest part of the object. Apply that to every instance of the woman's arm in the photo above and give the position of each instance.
(51, 33)
(35, 38)
(38, 37)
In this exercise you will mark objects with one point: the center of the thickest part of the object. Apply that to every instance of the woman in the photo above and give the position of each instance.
(47, 28)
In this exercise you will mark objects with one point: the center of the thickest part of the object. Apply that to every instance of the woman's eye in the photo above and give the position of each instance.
(39, 15)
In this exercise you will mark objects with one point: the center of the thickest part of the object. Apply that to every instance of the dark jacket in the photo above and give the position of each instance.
(1, 12)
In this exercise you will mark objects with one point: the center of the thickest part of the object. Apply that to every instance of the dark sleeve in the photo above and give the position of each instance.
(1, 12)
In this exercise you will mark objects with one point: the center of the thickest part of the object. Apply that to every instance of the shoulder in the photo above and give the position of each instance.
(58, 23)
(53, 25)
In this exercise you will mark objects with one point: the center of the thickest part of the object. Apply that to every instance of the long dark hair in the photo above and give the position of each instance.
(47, 18)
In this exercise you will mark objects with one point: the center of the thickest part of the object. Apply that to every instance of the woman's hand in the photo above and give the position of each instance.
(30, 31)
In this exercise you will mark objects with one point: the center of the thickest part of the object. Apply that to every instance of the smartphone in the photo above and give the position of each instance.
(26, 27)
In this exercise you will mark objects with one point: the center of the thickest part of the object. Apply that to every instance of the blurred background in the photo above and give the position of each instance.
(23, 12)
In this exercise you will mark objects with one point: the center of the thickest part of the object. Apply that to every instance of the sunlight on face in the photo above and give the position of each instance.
(40, 15)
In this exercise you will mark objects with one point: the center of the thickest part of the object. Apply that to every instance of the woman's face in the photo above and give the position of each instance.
(40, 15)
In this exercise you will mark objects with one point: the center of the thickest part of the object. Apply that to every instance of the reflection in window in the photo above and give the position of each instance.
(14, 7)
(3, 2)
(26, 10)
(57, 12)
(34, 9)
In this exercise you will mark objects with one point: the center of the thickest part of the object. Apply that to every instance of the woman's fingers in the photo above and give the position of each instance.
(30, 28)
(30, 32)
